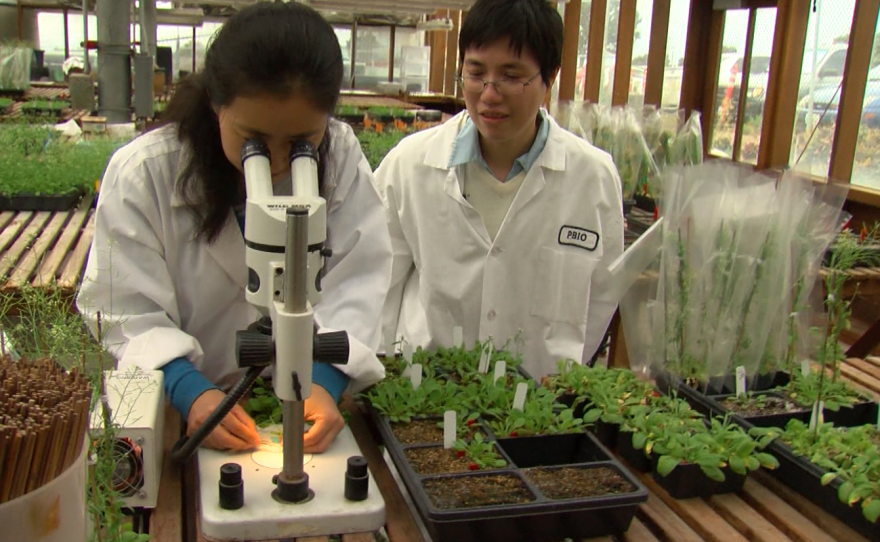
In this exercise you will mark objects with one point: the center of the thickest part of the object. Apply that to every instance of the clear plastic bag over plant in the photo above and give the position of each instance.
(15, 67)
(687, 147)
(734, 246)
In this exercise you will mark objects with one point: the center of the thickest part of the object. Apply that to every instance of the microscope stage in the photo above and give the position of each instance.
(264, 518)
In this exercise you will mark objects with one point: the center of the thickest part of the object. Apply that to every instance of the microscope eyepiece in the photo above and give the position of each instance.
(253, 147)
(301, 148)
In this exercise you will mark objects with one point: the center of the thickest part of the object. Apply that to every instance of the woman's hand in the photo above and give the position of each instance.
(327, 422)
(237, 432)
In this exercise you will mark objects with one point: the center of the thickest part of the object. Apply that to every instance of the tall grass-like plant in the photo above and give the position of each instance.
(43, 323)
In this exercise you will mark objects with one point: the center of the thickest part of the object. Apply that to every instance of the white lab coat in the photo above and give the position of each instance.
(542, 274)
(163, 295)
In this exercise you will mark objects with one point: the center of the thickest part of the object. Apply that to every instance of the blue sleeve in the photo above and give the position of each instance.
(183, 384)
(330, 378)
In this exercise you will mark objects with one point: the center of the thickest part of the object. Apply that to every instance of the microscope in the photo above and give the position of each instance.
(242, 497)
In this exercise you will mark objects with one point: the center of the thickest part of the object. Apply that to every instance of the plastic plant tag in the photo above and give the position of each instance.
(457, 337)
(500, 369)
(389, 344)
(485, 356)
(740, 381)
(816, 416)
(519, 396)
(805, 367)
(449, 429)
(408, 352)
(415, 375)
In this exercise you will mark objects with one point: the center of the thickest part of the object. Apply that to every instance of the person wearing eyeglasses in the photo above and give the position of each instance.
(502, 222)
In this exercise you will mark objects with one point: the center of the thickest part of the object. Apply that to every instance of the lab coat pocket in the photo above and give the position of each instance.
(561, 290)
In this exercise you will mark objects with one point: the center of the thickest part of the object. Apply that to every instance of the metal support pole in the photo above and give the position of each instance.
(114, 59)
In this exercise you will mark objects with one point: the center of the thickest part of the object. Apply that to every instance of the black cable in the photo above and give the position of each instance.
(186, 446)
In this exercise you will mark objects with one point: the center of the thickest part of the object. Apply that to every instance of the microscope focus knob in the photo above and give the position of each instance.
(253, 349)
(330, 347)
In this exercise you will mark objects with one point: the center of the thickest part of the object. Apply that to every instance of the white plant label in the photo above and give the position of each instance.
(449, 429)
(485, 356)
(805, 367)
(740, 381)
(816, 417)
(408, 352)
(457, 336)
(500, 369)
(389, 344)
(519, 396)
(415, 375)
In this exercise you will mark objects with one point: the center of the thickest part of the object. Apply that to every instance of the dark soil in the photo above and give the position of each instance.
(417, 432)
(574, 482)
(426, 431)
(769, 405)
(436, 460)
(471, 491)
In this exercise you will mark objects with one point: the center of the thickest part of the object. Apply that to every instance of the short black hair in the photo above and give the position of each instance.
(532, 24)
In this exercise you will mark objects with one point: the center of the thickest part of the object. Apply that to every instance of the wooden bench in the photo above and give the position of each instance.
(44, 248)
(764, 511)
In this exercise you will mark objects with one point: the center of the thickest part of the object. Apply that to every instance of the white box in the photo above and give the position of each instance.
(137, 404)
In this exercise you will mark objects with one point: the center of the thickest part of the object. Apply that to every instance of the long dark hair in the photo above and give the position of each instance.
(270, 48)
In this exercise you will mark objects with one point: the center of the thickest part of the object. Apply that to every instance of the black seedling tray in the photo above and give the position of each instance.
(859, 414)
(806, 478)
(541, 519)
(29, 202)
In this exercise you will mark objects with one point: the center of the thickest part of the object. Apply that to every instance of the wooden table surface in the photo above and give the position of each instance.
(764, 511)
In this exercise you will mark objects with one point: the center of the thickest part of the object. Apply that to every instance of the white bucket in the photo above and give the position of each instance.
(55, 512)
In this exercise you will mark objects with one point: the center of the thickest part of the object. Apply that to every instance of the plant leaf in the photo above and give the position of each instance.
(828, 477)
(871, 509)
(666, 464)
(845, 491)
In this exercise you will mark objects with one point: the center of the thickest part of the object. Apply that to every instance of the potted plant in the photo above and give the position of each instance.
(39, 171)
(838, 468)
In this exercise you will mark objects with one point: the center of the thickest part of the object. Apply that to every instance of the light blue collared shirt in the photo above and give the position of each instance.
(466, 148)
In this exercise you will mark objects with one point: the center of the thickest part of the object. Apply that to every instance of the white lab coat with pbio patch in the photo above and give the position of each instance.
(542, 275)
(163, 295)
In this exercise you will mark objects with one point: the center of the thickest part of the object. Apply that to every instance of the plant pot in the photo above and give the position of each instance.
(859, 414)
(30, 202)
(687, 481)
(645, 203)
(636, 458)
(551, 450)
(806, 478)
(606, 433)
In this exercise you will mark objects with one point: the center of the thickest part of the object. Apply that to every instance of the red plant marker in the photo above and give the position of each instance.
(513, 434)
(459, 453)
(473, 466)
(470, 422)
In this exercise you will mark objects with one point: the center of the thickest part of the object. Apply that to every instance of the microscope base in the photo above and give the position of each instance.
(264, 518)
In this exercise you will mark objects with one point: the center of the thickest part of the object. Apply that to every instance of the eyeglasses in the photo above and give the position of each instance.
(505, 87)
